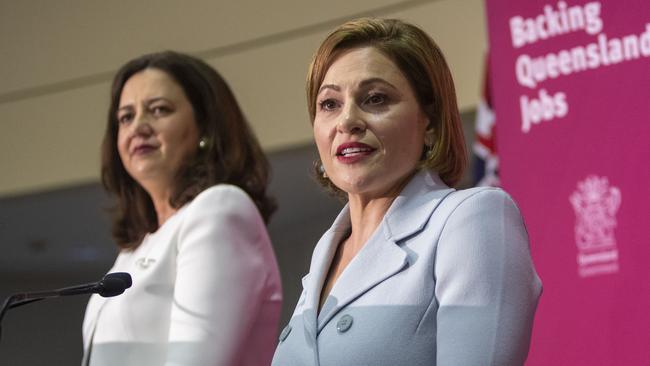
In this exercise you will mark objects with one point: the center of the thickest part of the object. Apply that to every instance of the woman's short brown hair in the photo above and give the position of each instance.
(423, 65)
(232, 154)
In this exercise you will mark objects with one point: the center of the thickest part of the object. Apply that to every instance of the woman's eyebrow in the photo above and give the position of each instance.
(363, 83)
(329, 86)
(376, 80)
(155, 99)
(125, 107)
(146, 102)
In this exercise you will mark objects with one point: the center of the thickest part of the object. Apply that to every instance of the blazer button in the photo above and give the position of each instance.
(285, 333)
(344, 323)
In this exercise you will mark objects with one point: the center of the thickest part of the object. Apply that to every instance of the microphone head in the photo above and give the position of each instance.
(109, 287)
(123, 276)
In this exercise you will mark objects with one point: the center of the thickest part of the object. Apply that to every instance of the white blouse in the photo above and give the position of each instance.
(206, 291)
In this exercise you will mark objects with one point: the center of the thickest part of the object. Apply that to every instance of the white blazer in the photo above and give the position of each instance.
(206, 291)
(446, 279)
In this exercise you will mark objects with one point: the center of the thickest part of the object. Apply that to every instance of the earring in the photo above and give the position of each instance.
(429, 142)
(428, 154)
(321, 168)
(203, 143)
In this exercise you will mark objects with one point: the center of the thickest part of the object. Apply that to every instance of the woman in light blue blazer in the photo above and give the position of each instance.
(412, 272)
(189, 178)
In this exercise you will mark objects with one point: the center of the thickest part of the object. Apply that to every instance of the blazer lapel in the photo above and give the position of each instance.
(382, 256)
(376, 261)
(319, 268)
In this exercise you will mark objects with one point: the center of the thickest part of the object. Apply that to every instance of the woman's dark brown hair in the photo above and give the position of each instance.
(423, 65)
(232, 154)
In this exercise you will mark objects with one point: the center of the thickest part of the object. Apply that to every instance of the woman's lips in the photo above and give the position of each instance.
(143, 150)
(352, 152)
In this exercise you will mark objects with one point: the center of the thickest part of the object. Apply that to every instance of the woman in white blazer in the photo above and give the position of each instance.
(412, 272)
(190, 180)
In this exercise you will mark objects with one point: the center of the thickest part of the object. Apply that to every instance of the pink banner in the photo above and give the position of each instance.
(571, 92)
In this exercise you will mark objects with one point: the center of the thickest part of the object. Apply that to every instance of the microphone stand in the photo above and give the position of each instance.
(112, 284)
(13, 301)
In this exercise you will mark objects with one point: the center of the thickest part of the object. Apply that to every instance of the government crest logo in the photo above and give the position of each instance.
(595, 204)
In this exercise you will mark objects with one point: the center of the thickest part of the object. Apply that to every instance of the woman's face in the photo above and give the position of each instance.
(157, 131)
(369, 127)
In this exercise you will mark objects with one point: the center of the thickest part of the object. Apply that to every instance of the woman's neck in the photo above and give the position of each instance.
(161, 196)
(365, 217)
(367, 212)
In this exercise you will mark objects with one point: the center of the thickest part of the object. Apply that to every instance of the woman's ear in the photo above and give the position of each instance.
(429, 137)
(429, 132)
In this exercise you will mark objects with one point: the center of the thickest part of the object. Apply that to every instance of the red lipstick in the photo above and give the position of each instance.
(352, 152)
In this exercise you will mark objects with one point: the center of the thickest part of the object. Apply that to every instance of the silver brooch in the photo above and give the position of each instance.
(144, 263)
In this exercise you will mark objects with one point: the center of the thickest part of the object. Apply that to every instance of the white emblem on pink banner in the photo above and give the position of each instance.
(596, 203)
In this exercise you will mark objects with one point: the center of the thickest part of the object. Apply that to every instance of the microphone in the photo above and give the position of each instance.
(122, 276)
(110, 285)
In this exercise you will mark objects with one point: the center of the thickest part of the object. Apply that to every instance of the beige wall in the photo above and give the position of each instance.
(57, 57)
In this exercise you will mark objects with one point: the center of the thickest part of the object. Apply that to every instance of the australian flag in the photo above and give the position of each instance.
(486, 161)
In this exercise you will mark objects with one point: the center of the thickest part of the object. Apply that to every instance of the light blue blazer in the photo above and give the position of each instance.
(446, 279)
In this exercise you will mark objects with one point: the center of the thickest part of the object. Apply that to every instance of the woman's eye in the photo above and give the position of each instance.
(159, 110)
(328, 104)
(376, 99)
(124, 118)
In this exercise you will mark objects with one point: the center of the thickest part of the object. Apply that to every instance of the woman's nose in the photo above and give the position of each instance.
(142, 124)
(351, 120)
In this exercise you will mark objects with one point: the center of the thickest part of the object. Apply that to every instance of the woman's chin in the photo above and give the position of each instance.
(147, 174)
(372, 185)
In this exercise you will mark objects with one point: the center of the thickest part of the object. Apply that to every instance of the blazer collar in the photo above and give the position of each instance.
(379, 259)
(412, 208)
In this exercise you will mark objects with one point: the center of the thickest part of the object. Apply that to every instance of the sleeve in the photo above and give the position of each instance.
(221, 274)
(486, 286)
